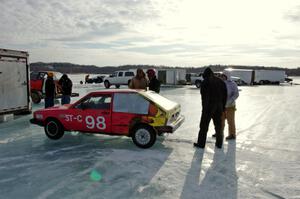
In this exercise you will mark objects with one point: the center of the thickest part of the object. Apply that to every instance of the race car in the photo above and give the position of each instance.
(139, 114)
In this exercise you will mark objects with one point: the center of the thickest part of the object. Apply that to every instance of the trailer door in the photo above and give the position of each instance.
(13, 89)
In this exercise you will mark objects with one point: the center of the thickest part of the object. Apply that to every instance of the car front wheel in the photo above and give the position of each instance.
(144, 136)
(54, 129)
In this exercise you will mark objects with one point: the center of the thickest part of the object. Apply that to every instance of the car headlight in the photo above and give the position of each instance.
(39, 116)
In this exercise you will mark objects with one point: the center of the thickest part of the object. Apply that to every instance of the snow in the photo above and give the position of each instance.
(263, 162)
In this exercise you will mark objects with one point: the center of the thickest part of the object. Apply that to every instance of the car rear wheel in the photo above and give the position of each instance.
(106, 84)
(54, 129)
(144, 136)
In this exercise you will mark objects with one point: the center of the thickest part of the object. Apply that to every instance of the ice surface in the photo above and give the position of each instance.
(263, 162)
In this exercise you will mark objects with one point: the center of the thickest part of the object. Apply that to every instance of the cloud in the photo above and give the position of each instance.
(294, 15)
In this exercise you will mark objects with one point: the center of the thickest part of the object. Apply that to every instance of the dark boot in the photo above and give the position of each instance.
(198, 145)
(230, 137)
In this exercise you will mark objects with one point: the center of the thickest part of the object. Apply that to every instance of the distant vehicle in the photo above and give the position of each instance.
(107, 112)
(269, 77)
(37, 85)
(260, 77)
(247, 76)
(196, 79)
(14, 82)
(238, 81)
(119, 78)
(97, 79)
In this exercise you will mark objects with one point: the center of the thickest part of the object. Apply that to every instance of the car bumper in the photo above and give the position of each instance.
(37, 122)
(171, 127)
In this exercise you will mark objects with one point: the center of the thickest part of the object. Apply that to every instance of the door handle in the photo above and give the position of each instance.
(24, 83)
(105, 113)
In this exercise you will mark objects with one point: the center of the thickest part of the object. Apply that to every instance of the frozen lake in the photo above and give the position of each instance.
(263, 162)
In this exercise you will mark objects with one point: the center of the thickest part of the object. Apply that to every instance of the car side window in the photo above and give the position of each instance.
(130, 103)
(33, 75)
(129, 74)
(120, 74)
(42, 75)
(101, 102)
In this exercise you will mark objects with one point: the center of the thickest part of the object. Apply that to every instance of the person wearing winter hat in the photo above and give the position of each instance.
(154, 83)
(213, 94)
(230, 108)
(49, 90)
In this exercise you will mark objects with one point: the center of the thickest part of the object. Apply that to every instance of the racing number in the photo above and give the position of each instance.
(100, 122)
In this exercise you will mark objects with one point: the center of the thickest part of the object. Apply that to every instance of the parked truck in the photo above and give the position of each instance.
(119, 78)
(269, 77)
(196, 79)
(260, 77)
(37, 85)
(14, 82)
(247, 76)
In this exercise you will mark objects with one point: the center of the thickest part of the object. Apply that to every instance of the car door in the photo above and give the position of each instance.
(93, 114)
(126, 108)
(120, 78)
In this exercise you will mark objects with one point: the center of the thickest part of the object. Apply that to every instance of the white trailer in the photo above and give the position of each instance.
(14, 82)
(269, 76)
(171, 76)
(247, 76)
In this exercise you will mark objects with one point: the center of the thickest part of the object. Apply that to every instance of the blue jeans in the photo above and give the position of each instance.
(65, 99)
(49, 102)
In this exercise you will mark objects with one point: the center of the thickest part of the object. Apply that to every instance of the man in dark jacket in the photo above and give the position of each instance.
(154, 83)
(214, 94)
(66, 88)
(49, 91)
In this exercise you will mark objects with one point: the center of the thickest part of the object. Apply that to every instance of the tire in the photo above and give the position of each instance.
(261, 82)
(128, 82)
(144, 136)
(54, 129)
(117, 86)
(35, 97)
(198, 83)
(106, 84)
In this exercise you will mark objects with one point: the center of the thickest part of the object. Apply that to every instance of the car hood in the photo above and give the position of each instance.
(62, 107)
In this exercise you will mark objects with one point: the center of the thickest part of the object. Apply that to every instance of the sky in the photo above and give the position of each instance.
(158, 32)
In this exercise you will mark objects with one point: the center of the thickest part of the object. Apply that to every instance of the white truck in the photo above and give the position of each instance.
(196, 79)
(269, 77)
(119, 78)
(14, 82)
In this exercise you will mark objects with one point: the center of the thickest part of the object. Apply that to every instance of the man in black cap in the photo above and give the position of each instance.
(213, 94)
(66, 87)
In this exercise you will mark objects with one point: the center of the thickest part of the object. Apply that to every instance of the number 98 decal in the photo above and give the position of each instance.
(99, 124)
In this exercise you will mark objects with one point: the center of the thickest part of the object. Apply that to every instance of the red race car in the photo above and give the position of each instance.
(141, 115)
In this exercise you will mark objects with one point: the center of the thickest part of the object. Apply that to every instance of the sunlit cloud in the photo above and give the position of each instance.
(169, 32)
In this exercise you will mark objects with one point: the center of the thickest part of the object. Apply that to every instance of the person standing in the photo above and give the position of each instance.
(213, 94)
(154, 83)
(49, 90)
(66, 88)
(139, 81)
(230, 108)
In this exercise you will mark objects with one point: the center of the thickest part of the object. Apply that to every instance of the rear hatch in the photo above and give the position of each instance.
(172, 109)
